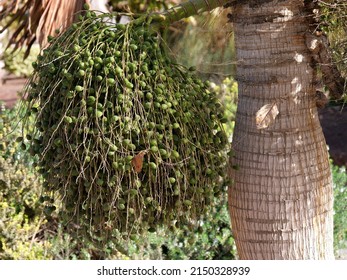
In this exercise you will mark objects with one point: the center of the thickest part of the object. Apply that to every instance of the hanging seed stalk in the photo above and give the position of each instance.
(127, 138)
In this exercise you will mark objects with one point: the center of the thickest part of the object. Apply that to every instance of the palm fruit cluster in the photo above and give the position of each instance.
(127, 138)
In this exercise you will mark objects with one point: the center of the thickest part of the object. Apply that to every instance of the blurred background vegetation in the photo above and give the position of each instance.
(28, 229)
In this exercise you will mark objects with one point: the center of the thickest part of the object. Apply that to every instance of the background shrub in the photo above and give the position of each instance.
(340, 207)
(21, 216)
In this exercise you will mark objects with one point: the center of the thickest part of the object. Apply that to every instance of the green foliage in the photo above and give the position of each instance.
(66, 244)
(10, 131)
(20, 211)
(26, 234)
(205, 41)
(333, 22)
(340, 206)
(227, 94)
(212, 241)
(18, 233)
(139, 6)
(208, 238)
(15, 63)
(333, 17)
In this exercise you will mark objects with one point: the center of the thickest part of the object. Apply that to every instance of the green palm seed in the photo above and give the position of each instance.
(111, 81)
(154, 149)
(138, 183)
(81, 73)
(209, 171)
(152, 165)
(99, 182)
(148, 200)
(176, 191)
(148, 105)
(113, 148)
(133, 192)
(176, 125)
(99, 114)
(126, 142)
(121, 206)
(115, 165)
(109, 104)
(76, 48)
(79, 88)
(70, 94)
(98, 60)
(128, 84)
(157, 105)
(111, 153)
(187, 202)
(132, 147)
(149, 95)
(68, 119)
(99, 53)
(121, 26)
(175, 154)
(192, 181)
(115, 119)
(151, 125)
(133, 47)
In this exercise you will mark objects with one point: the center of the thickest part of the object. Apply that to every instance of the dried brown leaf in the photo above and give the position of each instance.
(137, 161)
(266, 115)
(38, 19)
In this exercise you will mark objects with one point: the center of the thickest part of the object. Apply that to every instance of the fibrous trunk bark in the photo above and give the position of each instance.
(281, 200)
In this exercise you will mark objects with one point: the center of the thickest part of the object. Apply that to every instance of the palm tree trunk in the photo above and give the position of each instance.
(281, 200)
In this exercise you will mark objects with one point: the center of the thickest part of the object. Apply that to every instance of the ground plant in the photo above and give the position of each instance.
(16, 64)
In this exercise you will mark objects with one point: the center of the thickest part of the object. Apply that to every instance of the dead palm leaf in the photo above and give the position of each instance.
(37, 19)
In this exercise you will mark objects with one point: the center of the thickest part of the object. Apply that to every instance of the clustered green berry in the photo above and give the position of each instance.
(123, 134)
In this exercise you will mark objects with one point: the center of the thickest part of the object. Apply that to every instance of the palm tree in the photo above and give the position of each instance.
(281, 201)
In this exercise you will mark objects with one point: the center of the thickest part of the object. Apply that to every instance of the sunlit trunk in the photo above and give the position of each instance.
(281, 200)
